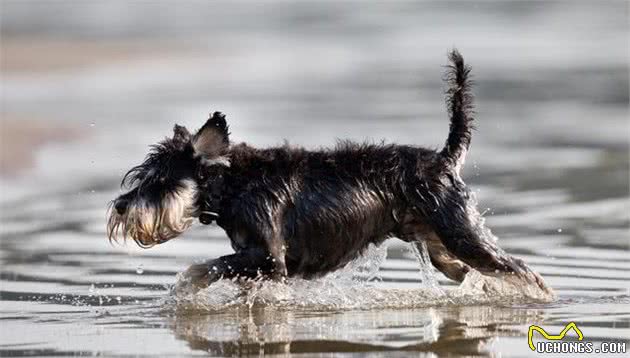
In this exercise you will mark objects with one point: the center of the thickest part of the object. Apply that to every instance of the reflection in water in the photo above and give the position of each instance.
(258, 330)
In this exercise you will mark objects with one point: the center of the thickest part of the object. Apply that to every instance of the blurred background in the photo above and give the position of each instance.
(86, 86)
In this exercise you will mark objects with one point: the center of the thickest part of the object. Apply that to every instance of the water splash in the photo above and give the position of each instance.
(505, 288)
(364, 268)
(354, 287)
(427, 276)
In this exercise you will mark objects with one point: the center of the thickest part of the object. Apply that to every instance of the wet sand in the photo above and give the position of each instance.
(21, 140)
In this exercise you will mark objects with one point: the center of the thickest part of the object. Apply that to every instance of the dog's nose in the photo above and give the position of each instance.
(121, 206)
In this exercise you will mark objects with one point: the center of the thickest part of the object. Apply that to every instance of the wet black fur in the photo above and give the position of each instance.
(289, 211)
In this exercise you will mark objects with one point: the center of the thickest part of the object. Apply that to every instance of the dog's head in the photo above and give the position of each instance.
(165, 192)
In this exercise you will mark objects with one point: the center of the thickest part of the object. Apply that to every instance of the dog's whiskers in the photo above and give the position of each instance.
(149, 225)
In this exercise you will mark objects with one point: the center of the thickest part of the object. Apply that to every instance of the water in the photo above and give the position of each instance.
(549, 163)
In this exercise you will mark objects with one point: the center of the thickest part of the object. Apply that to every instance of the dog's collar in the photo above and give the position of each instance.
(212, 194)
(207, 217)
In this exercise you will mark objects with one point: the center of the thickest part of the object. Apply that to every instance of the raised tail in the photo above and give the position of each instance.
(459, 101)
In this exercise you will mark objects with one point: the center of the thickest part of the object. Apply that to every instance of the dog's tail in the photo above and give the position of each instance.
(459, 101)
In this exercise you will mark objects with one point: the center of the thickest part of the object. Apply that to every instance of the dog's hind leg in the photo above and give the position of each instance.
(460, 229)
(441, 258)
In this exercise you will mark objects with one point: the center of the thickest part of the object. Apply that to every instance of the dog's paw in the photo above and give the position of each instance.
(195, 278)
(278, 277)
(524, 272)
(517, 278)
(198, 274)
(535, 279)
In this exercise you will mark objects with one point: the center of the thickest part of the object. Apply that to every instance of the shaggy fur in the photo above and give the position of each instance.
(289, 211)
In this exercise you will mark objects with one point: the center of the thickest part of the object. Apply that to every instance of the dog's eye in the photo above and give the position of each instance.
(162, 180)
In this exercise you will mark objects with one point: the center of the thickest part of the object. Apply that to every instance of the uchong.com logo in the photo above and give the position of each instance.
(557, 344)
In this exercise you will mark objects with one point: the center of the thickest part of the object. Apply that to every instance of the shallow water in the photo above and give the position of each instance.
(549, 162)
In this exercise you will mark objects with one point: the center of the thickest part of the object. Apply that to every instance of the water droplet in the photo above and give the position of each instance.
(139, 270)
(559, 230)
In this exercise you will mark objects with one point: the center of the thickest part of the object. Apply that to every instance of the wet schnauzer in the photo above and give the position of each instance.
(290, 212)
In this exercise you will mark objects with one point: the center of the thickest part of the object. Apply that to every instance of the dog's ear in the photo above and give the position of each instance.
(181, 134)
(212, 140)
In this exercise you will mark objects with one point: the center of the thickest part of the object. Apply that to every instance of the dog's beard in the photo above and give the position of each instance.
(148, 224)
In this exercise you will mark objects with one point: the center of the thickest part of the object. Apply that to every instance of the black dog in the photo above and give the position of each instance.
(293, 212)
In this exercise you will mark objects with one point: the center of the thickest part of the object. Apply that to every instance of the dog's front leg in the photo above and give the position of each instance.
(267, 231)
(277, 250)
(248, 263)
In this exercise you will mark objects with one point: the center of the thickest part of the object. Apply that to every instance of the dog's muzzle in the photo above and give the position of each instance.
(151, 223)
